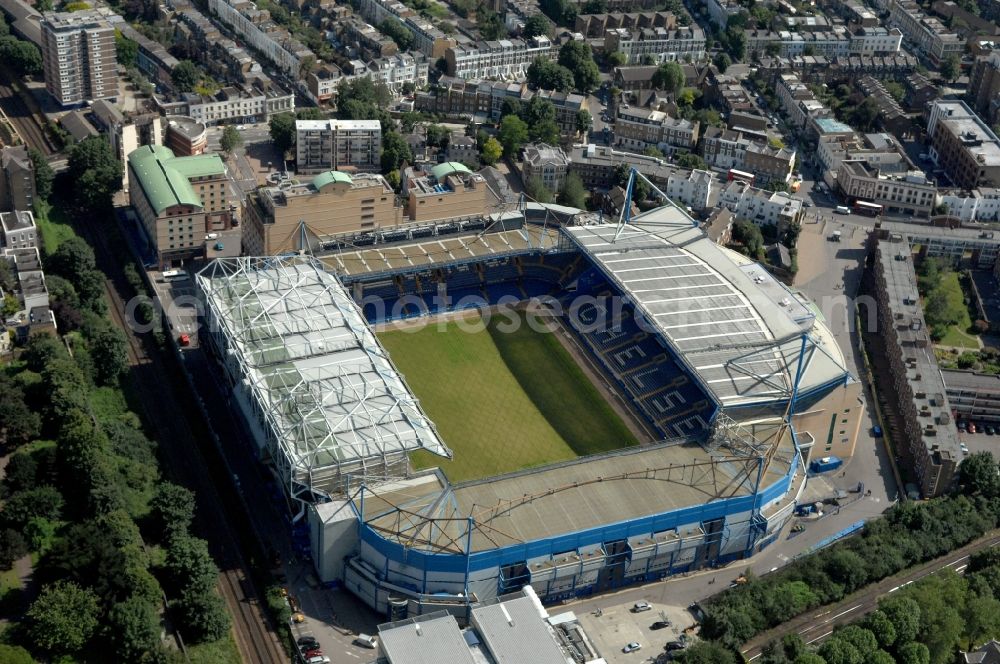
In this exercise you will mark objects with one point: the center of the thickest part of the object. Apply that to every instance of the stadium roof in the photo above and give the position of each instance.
(735, 327)
(325, 388)
(165, 179)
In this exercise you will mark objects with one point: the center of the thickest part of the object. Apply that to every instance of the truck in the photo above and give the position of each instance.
(825, 464)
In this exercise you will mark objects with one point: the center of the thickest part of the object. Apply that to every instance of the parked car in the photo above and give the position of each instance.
(962, 425)
(990, 430)
(308, 640)
(674, 645)
(877, 431)
(631, 647)
(964, 447)
(972, 427)
(660, 624)
(639, 607)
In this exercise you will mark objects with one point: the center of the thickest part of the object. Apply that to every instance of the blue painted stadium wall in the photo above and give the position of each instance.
(485, 560)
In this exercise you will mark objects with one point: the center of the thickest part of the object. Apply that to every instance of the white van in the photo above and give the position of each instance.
(843, 209)
(365, 641)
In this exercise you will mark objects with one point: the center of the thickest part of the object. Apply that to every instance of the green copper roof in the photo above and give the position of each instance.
(165, 179)
(328, 177)
(441, 171)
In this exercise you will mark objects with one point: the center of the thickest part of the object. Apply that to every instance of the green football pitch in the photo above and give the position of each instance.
(502, 400)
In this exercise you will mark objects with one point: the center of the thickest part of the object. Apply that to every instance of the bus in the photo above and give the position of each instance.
(740, 175)
(175, 275)
(867, 209)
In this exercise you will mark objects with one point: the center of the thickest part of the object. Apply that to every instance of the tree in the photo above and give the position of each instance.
(133, 627)
(491, 26)
(573, 193)
(537, 190)
(536, 25)
(561, 12)
(18, 423)
(16, 654)
(977, 474)
(835, 651)
(880, 657)
(584, 122)
(63, 618)
(982, 619)
(231, 139)
(189, 566)
(172, 509)
(109, 351)
(513, 133)
(24, 57)
(859, 637)
(691, 160)
(395, 151)
(203, 616)
(617, 59)
(282, 130)
(44, 175)
(577, 57)
(394, 29)
(96, 173)
(438, 136)
(722, 62)
(309, 113)
(669, 77)
(12, 547)
(705, 652)
(879, 624)
(491, 152)
(865, 113)
(548, 75)
(185, 76)
(126, 49)
(951, 67)
(913, 653)
(21, 472)
(40, 501)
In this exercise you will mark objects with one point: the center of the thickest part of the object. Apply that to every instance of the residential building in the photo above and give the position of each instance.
(882, 66)
(720, 10)
(797, 100)
(596, 25)
(427, 39)
(973, 396)
(152, 58)
(483, 100)
(920, 415)
(506, 59)
(78, 57)
(368, 40)
(971, 206)
(899, 193)
(963, 146)
(927, 34)
(661, 44)
(178, 200)
(640, 128)
(19, 230)
(322, 82)
(128, 134)
(293, 217)
(186, 136)
(32, 294)
(891, 115)
(823, 127)
(921, 91)
(881, 151)
(464, 149)
(399, 69)
(449, 191)
(241, 103)
(548, 164)
(989, 653)
(984, 87)
(769, 164)
(262, 34)
(724, 148)
(17, 179)
(338, 145)
(875, 40)
(760, 206)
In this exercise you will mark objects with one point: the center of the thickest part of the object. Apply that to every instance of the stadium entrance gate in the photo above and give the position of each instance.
(612, 574)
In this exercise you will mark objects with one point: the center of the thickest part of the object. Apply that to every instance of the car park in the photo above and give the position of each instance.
(639, 607)
(631, 647)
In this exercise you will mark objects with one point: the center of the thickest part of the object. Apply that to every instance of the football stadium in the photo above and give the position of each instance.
(544, 399)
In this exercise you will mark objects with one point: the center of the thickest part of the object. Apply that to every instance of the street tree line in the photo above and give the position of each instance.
(908, 534)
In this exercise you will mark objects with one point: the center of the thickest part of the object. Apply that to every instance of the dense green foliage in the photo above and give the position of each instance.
(95, 172)
(548, 75)
(909, 533)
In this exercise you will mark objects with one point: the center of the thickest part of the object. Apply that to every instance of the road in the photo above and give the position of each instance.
(172, 418)
(816, 625)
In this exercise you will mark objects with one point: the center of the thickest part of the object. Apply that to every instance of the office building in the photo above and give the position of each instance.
(963, 146)
(293, 217)
(920, 415)
(449, 191)
(78, 57)
(179, 200)
(338, 145)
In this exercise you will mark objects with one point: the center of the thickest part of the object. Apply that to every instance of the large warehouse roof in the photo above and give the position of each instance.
(737, 328)
(328, 392)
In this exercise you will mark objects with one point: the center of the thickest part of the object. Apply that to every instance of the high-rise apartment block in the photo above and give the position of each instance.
(338, 145)
(78, 57)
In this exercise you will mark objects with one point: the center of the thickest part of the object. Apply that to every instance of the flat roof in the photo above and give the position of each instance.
(970, 380)
(515, 633)
(165, 179)
(719, 316)
(427, 513)
(434, 639)
(326, 388)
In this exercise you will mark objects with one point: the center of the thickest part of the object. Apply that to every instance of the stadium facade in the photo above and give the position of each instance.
(711, 352)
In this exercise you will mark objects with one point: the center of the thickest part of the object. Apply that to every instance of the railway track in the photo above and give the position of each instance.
(174, 429)
(25, 122)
